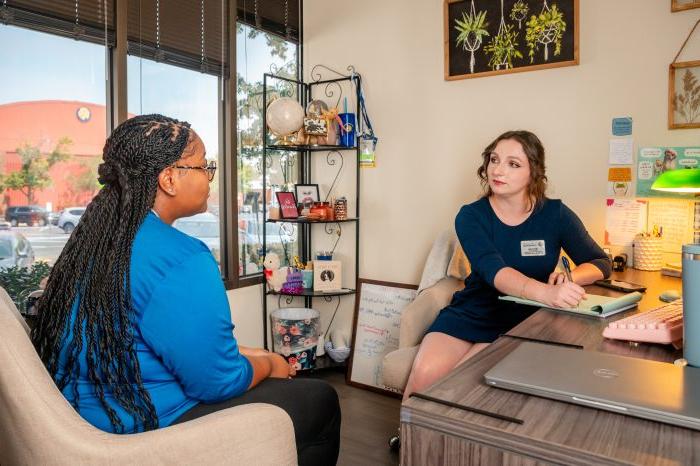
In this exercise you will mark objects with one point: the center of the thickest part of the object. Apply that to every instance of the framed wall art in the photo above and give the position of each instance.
(684, 95)
(487, 37)
(680, 5)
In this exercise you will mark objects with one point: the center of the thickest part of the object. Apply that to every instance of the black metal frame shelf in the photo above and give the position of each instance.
(314, 294)
(304, 92)
(319, 148)
(309, 222)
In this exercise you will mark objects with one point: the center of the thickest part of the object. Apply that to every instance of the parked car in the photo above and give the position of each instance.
(15, 250)
(69, 218)
(27, 214)
(205, 227)
(53, 217)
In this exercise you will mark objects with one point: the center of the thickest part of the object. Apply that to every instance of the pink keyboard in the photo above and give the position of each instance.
(663, 324)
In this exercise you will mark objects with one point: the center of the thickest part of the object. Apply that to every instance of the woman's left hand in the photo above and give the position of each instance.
(556, 278)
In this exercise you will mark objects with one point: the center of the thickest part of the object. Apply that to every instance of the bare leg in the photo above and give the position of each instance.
(476, 347)
(438, 354)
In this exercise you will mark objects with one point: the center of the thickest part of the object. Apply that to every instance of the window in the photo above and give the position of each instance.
(257, 53)
(186, 95)
(52, 108)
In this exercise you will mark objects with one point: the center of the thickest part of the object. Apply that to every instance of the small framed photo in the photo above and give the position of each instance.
(327, 276)
(315, 126)
(307, 194)
(288, 204)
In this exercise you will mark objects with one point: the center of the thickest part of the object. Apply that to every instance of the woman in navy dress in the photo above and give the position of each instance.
(513, 237)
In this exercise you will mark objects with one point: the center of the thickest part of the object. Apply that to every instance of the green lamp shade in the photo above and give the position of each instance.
(683, 180)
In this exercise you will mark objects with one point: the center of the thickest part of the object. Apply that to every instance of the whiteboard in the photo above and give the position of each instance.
(377, 320)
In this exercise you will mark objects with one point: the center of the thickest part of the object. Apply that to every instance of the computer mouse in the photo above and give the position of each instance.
(669, 295)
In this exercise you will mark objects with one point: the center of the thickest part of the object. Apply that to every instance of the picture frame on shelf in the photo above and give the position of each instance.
(683, 99)
(681, 5)
(288, 205)
(307, 194)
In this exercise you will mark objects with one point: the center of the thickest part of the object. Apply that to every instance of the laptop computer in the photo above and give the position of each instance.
(653, 390)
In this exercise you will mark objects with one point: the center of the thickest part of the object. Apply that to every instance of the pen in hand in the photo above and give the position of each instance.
(567, 268)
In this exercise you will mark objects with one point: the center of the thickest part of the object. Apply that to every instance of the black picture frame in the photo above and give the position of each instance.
(288, 204)
(301, 194)
(467, 55)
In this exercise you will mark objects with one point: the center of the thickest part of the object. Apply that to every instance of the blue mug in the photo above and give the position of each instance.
(347, 133)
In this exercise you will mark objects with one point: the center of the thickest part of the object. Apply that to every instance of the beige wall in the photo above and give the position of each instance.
(432, 131)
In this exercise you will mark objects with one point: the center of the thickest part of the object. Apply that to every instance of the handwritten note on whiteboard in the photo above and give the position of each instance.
(624, 218)
(378, 310)
(676, 218)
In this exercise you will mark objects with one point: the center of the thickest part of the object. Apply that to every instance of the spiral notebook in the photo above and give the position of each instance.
(594, 305)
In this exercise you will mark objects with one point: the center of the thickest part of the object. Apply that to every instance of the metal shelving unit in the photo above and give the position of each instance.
(323, 89)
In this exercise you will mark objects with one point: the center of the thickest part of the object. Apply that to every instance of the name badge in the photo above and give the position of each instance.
(532, 248)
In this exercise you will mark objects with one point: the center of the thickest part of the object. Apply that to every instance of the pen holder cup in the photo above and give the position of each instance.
(647, 253)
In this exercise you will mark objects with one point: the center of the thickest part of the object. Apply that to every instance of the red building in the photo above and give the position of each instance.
(43, 124)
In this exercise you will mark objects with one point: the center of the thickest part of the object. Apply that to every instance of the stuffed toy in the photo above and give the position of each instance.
(274, 274)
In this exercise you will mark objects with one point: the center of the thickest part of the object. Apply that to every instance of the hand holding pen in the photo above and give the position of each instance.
(567, 268)
(564, 293)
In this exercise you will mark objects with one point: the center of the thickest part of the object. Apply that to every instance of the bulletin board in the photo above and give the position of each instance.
(487, 37)
(376, 324)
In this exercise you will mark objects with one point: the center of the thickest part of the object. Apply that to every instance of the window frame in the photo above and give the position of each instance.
(116, 111)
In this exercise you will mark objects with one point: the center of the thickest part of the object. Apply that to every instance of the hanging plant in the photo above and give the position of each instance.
(472, 29)
(519, 12)
(546, 28)
(503, 48)
(687, 104)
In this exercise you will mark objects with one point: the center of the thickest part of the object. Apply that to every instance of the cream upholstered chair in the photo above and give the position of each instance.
(443, 274)
(38, 425)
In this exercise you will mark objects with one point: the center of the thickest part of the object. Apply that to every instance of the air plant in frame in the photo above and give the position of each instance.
(687, 104)
(472, 29)
(519, 12)
(544, 29)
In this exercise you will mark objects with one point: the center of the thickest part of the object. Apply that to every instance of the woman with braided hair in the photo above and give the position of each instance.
(135, 326)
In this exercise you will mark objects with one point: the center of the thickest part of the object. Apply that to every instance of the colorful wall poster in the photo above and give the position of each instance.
(653, 161)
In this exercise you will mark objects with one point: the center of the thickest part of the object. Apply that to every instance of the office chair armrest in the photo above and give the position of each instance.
(418, 315)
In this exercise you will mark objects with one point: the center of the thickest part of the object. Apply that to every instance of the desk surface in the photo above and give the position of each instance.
(552, 431)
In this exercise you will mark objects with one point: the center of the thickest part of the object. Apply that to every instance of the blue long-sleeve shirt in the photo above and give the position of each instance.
(183, 334)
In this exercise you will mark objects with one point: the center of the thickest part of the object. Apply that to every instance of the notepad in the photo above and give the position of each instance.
(594, 305)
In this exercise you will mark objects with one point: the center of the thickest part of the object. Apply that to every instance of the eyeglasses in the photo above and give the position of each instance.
(210, 168)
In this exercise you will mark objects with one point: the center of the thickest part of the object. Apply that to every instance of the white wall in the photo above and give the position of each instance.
(432, 131)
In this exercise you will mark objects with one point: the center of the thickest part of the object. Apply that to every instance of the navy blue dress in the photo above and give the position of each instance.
(532, 248)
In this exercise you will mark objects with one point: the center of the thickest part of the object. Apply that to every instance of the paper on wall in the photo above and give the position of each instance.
(621, 151)
(620, 181)
(624, 218)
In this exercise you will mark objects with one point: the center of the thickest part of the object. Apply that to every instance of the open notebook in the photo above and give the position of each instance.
(595, 305)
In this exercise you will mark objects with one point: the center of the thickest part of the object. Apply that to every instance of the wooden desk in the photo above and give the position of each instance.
(553, 431)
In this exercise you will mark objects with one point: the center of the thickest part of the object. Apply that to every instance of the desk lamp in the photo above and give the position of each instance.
(687, 180)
